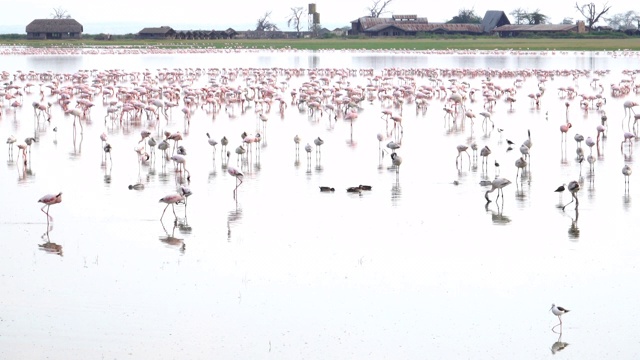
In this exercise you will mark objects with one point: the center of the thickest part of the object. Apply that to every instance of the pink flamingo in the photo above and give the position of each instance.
(48, 200)
(563, 131)
(462, 148)
(171, 199)
(239, 176)
(628, 109)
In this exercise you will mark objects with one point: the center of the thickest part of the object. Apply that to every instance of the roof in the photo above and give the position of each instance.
(413, 27)
(156, 30)
(540, 27)
(368, 21)
(54, 25)
(492, 18)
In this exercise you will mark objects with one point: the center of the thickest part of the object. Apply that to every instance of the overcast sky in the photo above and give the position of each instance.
(129, 16)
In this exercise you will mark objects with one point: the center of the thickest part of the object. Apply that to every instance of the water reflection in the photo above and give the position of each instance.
(574, 231)
(496, 215)
(558, 345)
(170, 239)
(48, 246)
(233, 217)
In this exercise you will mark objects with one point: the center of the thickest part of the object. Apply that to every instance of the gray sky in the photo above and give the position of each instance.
(126, 16)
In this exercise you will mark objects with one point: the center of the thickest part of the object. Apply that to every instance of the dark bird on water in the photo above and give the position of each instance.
(326, 188)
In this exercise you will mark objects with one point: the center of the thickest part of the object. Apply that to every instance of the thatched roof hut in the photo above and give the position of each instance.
(54, 29)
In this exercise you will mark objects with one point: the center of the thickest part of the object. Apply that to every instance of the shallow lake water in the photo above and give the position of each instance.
(420, 266)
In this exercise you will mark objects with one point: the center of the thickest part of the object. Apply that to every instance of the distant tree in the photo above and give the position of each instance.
(623, 21)
(60, 13)
(378, 7)
(295, 17)
(567, 21)
(590, 13)
(465, 16)
(264, 24)
(537, 18)
(520, 15)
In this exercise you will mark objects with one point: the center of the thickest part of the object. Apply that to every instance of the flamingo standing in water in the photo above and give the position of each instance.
(462, 148)
(626, 171)
(628, 110)
(171, 199)
(239, 176)
(48, 200)
(573, 188)
(563, 132)
(213, 144)
(318, 142)
(497, 184)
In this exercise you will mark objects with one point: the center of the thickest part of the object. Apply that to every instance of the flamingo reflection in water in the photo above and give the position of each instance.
(48, 246)
(171, 240)
(496, 215)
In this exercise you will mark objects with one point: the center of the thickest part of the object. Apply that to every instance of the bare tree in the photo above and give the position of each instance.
(60, 13)
(295, 17)
(378, 7)
(520, 15)
(590, 13)
(264, 24)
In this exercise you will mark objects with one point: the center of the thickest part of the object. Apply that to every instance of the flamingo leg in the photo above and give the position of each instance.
(46, 212)
(165, 209)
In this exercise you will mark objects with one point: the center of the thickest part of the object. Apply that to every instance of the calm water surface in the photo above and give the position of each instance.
(416, 268)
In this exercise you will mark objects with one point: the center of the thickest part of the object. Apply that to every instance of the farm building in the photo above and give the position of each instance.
(412, 25)
(54, 29)
(157, 33)
(519, 30)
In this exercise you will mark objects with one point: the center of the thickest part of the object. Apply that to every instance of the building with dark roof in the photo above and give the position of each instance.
(412, 25)
(42, 29)
(157, 33)
(517, 30)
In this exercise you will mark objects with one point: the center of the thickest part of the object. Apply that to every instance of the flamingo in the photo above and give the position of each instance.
(171, 199)
(573, 187)
(626, 171)
(213, 144)
(487, 116)
(48, 200)
(308, 149)
(628, 109)
(563, 131)
(521, 163)
(296, 140)
(396, 160)
(223, 144)
(318, 142)
(10, 141)
(628, 136)
(181, 162)
(497, 184)
(590, 143)
(239, 176)
(462, 148)
(485, 152)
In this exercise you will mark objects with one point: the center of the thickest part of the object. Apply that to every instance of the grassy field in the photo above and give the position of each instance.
(480, 43)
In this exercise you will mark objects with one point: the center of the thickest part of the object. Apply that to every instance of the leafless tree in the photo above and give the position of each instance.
(590, 13)
(378, 7)
(295, 18)
(264, 24)
(60, 13)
